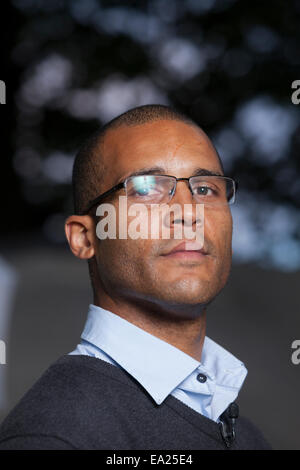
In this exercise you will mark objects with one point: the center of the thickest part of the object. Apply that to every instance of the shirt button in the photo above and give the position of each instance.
(202, 378)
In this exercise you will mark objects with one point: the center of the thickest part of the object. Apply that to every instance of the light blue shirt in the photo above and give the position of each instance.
(163, 369)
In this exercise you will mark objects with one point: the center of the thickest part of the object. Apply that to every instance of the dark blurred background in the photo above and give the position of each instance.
(70, 66)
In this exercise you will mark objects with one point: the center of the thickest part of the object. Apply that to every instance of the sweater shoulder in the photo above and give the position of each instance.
(64, 397)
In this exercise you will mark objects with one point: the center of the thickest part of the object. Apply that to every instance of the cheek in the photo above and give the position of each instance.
(218, 233)
(124, 261)
(124, 254)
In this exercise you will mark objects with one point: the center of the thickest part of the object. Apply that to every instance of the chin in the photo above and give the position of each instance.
(189, 292)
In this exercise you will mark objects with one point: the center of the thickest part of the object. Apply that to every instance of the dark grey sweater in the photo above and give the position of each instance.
(82, 402)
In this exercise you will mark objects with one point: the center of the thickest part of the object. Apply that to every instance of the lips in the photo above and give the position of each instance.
(187, 249)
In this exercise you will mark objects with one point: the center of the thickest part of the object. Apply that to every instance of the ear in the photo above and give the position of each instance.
(79, 230)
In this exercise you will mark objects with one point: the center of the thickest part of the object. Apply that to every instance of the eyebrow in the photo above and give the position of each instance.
(206, 172)
(154, 170)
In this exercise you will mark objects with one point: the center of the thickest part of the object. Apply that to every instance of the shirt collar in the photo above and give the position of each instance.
(157, 365)
(224, 367)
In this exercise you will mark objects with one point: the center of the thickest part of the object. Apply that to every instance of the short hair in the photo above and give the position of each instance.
(89, 167)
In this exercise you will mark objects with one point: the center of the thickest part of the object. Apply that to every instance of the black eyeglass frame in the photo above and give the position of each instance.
(123, 183)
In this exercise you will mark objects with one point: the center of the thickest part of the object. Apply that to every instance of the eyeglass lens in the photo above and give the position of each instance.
(160, 189)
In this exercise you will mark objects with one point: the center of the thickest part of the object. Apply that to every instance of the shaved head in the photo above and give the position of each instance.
(90, 166)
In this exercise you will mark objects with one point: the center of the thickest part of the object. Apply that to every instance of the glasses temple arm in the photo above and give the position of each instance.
(98, 199)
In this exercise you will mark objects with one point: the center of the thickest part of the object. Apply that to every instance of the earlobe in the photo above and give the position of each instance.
(79, 233)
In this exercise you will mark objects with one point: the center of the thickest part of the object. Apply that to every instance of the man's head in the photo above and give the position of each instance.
(137, 270)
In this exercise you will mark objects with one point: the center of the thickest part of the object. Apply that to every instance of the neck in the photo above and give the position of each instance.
(181, 326)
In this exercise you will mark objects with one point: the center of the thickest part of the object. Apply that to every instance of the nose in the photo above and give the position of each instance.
(183, 210)
(183, 193)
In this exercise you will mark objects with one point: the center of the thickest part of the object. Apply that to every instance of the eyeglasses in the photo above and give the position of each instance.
(159, 189)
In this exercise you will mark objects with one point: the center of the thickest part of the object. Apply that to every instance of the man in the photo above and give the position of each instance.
(144, 375)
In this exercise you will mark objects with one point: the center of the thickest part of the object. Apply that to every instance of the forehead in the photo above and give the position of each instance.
(174, 145)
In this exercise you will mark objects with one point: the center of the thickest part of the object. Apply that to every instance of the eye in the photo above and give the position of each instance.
(143, 186)
(145, 191)
(142, 191)
(204, 190)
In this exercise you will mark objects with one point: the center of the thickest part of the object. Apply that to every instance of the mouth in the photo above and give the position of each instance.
(187, 250)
